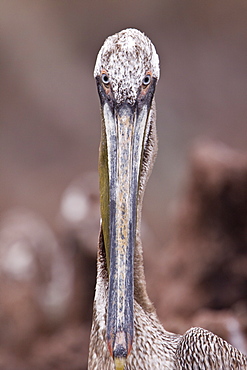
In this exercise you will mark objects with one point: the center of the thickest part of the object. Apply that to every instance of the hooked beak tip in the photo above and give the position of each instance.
(120, 362)
(119, 354)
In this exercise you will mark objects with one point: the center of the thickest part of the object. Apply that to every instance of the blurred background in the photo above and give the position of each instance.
(49, 138)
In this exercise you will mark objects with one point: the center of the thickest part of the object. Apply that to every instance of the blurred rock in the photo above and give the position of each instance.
(35, 284)
(67, 349)
(79, 222)
(213, 224)
(204, 265)
(79, 211)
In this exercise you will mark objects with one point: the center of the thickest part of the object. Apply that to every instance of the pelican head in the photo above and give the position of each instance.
(126, 73)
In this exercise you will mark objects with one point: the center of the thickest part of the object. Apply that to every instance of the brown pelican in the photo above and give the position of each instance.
(126, 333)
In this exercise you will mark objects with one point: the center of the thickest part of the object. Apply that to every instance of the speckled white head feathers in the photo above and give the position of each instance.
(127, 57)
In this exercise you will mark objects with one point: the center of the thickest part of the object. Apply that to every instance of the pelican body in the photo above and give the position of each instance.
(126, 333)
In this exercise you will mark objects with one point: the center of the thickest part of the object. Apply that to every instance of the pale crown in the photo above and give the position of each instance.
(127, 57)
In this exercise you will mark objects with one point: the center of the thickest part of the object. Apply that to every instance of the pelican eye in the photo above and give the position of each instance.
(105, 79)
(147, 79)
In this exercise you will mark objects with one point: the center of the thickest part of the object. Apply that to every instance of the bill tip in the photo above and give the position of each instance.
(120, 363)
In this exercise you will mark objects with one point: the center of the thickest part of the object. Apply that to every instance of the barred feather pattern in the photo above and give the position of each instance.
(200, 349)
